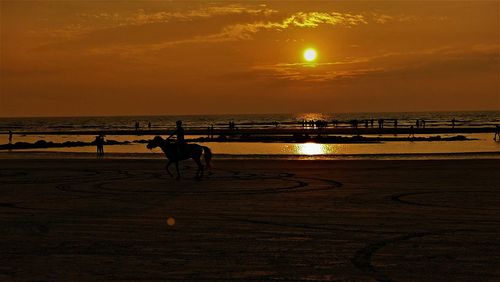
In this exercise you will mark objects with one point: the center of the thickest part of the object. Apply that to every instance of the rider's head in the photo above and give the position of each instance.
(178, 123)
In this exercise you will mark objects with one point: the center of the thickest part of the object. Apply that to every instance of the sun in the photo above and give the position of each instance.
(310, 55)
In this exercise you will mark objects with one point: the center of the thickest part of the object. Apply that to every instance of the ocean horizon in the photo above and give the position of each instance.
(431, 118)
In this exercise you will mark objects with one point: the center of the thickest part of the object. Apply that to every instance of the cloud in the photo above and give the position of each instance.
(400, 18)
(141, 17)
(438, 61)
(85, 23)
(246, 31)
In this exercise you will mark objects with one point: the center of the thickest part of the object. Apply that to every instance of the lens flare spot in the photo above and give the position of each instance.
(171, 221)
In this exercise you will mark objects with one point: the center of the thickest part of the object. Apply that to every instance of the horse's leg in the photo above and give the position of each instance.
(166, 167)
(199, 172)
(177, 169)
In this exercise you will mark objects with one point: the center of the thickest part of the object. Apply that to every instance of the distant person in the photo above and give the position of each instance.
(149, 126)
(412, 133)
(354, 123)
(335, 123)
(366, 123)
(371, 123)
(417, 123)
(497, 133)
(10, 136)
(453, 123)
(180, 141)
(99, 142)
(381, 123)
(395, 123)
(276, 124)
(136, 126)
(422, 122)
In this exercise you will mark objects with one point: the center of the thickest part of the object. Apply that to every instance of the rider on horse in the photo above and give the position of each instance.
(181, 143)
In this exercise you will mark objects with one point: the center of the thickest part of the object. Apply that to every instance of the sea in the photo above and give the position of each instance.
(482, 145)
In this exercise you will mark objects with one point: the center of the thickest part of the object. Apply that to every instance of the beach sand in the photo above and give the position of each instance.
(252, 219)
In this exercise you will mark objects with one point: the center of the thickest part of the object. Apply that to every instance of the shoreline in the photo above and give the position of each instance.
(25, 154)
(42, 144)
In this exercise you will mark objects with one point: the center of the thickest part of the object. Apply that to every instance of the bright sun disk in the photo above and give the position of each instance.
(310, 55)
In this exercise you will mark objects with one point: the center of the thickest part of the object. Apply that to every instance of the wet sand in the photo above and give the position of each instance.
(252, 219)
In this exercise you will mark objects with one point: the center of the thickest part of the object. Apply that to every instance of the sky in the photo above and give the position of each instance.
(85, 58)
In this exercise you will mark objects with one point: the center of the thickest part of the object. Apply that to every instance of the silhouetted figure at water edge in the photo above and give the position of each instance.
(371, 123)
(335, 123)
(10, 136)
(422, 122)
(193, 151)
(136, 126)
(149, 125)
(395, 123)
(453, 123)
(412, 133)
(99, 142)
(366, 123)
(417, 123)
(232, 125)
(380, 123)
(497, 133)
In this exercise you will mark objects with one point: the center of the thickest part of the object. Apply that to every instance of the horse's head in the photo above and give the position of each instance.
(157, 141)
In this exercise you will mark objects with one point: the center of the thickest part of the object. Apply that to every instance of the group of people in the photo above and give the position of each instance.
(138, 126)
(181, 143)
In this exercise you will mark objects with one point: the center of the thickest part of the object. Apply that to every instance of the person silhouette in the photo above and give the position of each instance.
(412, 133)
(453, 123)
(422, 122)
(180, 141)
(497, 133)
(10, 136)
(149, 125)
(99, 142)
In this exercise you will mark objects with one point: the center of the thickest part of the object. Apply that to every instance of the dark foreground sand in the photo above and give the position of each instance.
(287, 220)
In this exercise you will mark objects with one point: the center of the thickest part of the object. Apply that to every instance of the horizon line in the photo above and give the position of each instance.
(242, 114)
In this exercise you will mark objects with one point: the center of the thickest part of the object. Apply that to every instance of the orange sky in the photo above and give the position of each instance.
(60, 58)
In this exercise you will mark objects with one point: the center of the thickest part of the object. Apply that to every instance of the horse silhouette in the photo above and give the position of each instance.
(174, 155)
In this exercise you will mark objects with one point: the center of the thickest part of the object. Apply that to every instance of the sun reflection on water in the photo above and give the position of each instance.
(311, 149)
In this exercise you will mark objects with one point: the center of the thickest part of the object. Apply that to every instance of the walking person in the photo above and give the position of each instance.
(10, 136)
(412, 133)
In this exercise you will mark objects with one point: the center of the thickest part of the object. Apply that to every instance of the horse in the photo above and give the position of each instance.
(192, 151)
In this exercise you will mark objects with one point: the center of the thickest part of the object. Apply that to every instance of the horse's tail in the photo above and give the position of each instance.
(207, 155)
